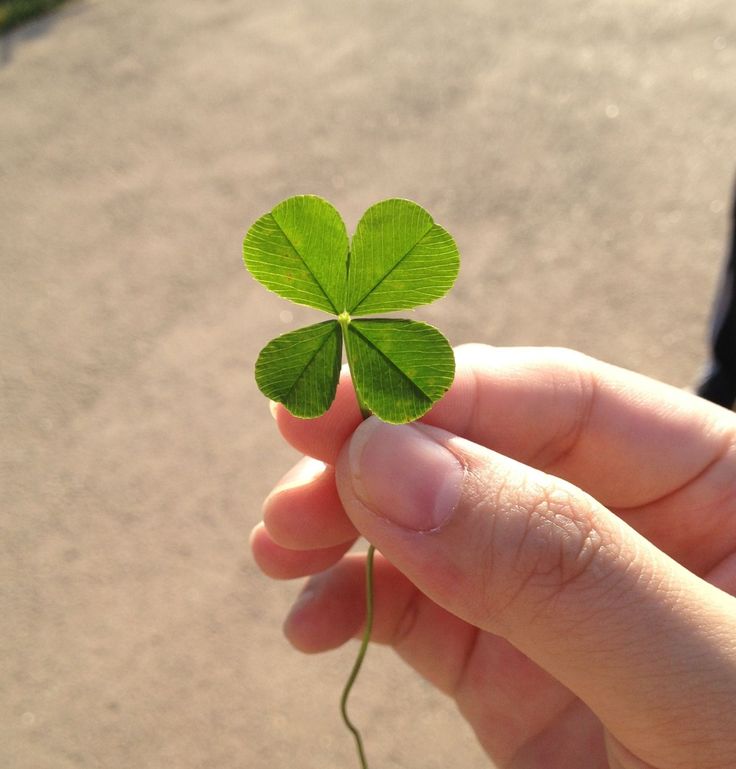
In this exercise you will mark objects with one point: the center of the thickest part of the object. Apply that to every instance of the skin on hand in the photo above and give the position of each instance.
(558, 545)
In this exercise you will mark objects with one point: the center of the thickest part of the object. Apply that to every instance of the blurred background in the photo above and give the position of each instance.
(580, 152)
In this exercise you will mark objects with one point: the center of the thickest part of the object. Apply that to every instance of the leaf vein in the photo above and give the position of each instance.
(391, 269)
(391, 363)
(309, 269)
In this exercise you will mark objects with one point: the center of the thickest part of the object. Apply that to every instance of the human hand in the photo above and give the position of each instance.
(558, 554)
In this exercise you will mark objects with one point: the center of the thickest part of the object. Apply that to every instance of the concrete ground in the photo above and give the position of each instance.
(581, 152)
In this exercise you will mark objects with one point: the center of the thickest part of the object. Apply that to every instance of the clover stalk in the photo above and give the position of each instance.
(361, 656)
(344, 321)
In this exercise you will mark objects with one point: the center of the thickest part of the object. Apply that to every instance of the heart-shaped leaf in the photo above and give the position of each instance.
(399, 259)
(399, 367)
(300, 369)
(299, 251)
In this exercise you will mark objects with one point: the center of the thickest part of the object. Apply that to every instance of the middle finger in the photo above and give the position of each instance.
(304, 511)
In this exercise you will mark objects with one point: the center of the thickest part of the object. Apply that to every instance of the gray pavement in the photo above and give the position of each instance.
(580, 152)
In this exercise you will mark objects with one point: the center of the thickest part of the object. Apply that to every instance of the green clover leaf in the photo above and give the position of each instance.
(398, 259)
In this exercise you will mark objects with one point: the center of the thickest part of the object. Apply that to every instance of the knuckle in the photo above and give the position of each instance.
(568, 359)
(556, 547)
(570, 539)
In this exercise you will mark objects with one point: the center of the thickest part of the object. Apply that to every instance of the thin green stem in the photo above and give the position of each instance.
(368, 629)
(361, 655)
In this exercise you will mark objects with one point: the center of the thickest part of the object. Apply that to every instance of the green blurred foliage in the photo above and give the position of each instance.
(14, 12)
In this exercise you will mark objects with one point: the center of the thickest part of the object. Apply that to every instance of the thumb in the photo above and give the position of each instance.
(516, 552)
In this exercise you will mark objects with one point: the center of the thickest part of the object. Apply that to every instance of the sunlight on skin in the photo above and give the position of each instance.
(672, 464)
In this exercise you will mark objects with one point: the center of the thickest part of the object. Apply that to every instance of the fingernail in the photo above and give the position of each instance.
(308, 594)
(402, 474)
(273, 407)
(304, 471)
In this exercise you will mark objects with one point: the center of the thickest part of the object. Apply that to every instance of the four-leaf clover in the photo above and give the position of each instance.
(398, 259)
